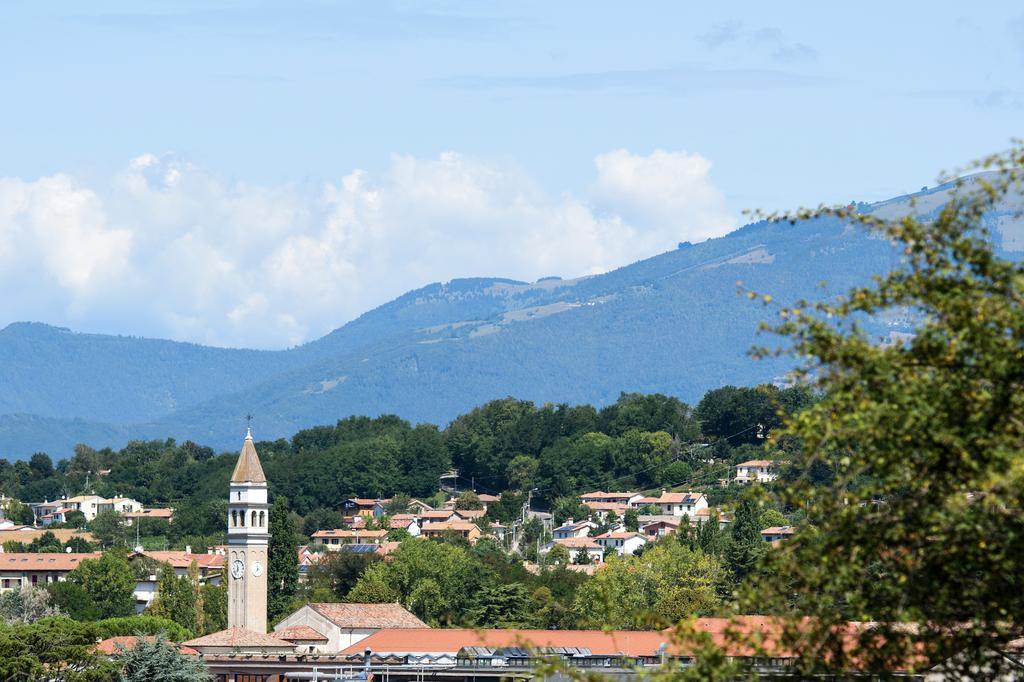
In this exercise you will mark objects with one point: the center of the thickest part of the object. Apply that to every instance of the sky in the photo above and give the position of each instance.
(258, 173)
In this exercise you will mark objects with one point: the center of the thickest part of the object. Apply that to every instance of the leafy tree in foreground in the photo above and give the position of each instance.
(142, 625)
(58, 649)
(922, 521)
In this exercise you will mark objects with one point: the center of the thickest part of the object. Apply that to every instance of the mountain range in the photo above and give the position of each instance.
(675, 323)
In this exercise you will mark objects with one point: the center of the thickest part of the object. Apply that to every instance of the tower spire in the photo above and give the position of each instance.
(248, 467)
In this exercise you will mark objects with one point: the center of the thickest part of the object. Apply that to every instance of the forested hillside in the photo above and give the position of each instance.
(675, 324)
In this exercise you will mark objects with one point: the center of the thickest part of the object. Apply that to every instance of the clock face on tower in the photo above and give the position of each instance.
(237, 569)
(257, 569)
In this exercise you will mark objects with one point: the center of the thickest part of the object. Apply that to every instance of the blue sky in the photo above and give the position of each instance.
(198, 170)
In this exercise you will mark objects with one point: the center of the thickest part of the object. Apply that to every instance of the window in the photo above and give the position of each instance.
(253, 522)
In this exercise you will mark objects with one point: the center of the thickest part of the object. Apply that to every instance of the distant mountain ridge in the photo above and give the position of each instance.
(673, 323)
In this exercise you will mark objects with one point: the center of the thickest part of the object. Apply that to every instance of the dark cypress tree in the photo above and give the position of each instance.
(283, 571)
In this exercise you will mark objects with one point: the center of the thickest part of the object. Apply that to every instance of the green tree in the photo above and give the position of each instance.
(142, 625)
(558, 555)
(282, 555)
(747, 546)
(522, 472)
(669, 583)
(582, 557)
(468, 500)
(72, 599)
(159, 660)
(108, 527)
(215, 607)
(338, 572)
(631, 519)
(502, 606)
(175, 599)
(109, 583)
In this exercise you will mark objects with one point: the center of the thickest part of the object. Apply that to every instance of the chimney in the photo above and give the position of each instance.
(366, 662)
(188, 549)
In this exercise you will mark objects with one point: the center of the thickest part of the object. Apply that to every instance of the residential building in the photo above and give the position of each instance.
(469, 531)
(87, 504)
(655, 530)
(332, 539)
(573, 529)
(470, 514)
(438, 515)
(777, 533)
(363, 506)
(624, 498)
(622, 542)
(675, 504)
(345, 625)
(38, 568)
(603, 509)
(122, 505)
(756, 471)
(407, 522)
(418, 506)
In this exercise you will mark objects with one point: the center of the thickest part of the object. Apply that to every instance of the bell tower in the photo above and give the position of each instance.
(248, 533)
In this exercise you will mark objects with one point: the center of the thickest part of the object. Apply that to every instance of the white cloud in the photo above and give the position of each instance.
(168, 249)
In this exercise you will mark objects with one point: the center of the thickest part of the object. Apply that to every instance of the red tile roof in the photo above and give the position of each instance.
(622, 535)
(451, 640)
(149, 514)
(299, 633)
(577, 543)
(111, 645)
(44, 561)
(601, 642)
(601, 495)
(238, 637)
(678, 498)
(368, 615)
(343, 533)
(606, 506)
(184, 559)
(459, 526)
(470, 513)
(757, 463)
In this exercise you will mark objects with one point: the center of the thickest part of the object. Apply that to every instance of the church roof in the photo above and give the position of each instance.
(248, 469)
(237, 637)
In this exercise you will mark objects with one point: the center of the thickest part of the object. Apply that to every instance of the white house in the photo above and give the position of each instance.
(756, 471)
(87, 504)
(675, 504)
(622, 542)
(122, 505)
(407, 522)
(573, 529)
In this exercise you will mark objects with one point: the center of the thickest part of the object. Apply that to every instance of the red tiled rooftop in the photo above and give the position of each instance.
(184, 559)
(111, 645)
(299, 633)
(43, 561)
(238, 637)
(368, 615)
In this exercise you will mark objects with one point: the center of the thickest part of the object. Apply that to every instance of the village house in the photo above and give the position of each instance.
(674, 504)
(87, 504)
(602, 510)
(573, 529)
(659, 528)
(363, 506)
(465, 529)
(407, 522)
(37, 569)
(622, 542)
(778, 533)
(624, 498)
(438, 515)
(121, 505)
(333, 539)
(756, 471)
(469, 514)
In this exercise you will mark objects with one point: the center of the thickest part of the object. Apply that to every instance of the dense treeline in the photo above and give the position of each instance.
(640, 442)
